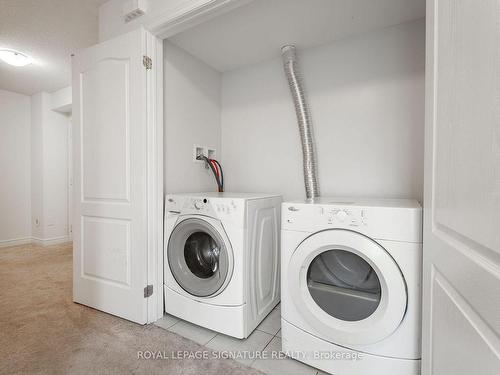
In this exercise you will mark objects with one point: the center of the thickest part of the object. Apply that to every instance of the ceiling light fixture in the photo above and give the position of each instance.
(15, 58)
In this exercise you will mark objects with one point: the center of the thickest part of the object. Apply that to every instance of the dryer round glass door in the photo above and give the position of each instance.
(344, 285)
(198, 257)
(347, 287)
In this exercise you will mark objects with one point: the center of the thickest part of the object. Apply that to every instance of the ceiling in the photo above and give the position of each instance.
(256, 32)
(48, 31)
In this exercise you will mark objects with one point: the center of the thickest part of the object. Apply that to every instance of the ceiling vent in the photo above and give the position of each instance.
(133, 9)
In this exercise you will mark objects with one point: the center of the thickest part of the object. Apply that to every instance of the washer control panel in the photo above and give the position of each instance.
(198, 206)
(188, 205)
(209, 206)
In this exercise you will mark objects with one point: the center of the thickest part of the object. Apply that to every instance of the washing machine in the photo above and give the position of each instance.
(222, 268)
(351, 285)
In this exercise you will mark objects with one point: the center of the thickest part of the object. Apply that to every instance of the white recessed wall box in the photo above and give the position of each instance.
(133, 9)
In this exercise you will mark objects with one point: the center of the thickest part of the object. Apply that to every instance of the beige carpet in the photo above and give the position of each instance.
(43, 332)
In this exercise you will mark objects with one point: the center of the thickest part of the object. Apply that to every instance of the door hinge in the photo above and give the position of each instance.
(147, 62)
(148, 291)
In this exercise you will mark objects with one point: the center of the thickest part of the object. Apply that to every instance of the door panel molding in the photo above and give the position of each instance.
(103, 164)
(453, 310)
(101, 267)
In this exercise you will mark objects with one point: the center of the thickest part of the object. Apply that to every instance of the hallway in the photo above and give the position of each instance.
(44, 332)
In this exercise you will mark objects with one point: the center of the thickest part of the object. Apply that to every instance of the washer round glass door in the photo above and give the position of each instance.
(347, 287)
(198, 257)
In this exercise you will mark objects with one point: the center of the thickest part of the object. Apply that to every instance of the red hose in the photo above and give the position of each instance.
(217, 169)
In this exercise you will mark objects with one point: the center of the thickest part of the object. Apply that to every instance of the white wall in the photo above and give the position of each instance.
(62, 100)
(14, 168)
(192, 100)
(367, 100)
(49, 188)
(33, 170)
(37, 166)
(55, 182)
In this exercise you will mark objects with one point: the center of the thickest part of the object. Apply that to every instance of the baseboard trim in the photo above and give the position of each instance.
(35, 241)
(15, 242)
(49, 241)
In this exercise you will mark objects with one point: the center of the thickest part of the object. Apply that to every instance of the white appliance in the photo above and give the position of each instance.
(222, 259)
(351, 273)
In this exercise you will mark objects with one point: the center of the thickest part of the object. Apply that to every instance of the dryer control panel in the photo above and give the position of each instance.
(345, 216)
(328, 216)
(389, 221)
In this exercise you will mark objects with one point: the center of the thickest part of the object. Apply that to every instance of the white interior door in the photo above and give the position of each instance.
(110, 177)
(461, 301)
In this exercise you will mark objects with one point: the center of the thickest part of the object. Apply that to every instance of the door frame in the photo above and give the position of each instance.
(160, 28)
(430, 98)
(154, 92)
(70, 197)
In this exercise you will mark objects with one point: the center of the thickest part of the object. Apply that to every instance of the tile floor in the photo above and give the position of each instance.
(266, 338)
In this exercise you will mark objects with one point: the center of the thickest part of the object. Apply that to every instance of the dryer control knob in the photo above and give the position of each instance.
(198, 205)
(341, 215)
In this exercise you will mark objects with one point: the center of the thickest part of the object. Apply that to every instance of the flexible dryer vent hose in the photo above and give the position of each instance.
(304, 119)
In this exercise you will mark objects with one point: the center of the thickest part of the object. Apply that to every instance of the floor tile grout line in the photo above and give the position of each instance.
(209, 341)
(272, 334)
(168, 329)
(265, 346)
(267, 343)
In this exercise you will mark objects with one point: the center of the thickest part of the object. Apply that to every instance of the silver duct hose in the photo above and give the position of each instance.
(304, 120)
